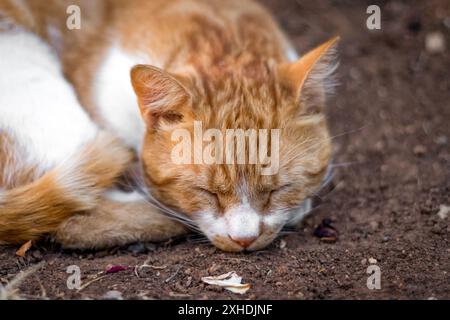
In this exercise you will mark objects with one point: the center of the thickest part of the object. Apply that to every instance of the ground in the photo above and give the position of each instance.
(391, 121)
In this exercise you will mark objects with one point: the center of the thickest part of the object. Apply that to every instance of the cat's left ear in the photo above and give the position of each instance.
(311, 77)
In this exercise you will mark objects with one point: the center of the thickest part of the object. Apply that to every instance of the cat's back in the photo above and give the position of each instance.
(211, 25)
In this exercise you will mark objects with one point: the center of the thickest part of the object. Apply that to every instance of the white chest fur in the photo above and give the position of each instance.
(115, 99)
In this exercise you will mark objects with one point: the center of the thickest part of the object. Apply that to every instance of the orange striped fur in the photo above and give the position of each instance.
(224, 63)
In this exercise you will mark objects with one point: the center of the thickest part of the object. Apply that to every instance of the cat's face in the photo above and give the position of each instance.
(238, 204)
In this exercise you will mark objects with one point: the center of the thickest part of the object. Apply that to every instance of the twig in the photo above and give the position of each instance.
(174, 275)
(90, 282)
(145, 265)
(9, 292)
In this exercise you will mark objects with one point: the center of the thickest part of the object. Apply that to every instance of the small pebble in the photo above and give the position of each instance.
(441, 140)
(435, 42)
(188, 282)
(326, 232)
(374, 225)
(420, 150)
(113, 295)
(372, 260)
(37, 254)
(436, 229)
(214, 268)
(443, 211)
(447, 22)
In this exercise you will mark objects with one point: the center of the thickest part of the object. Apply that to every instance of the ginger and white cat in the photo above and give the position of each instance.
(72, 121)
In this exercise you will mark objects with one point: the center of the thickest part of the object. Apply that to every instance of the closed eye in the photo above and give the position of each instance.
(280, 189)
(276, 191)
(209, 193)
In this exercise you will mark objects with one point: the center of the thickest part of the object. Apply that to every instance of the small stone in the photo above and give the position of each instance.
(420, 150)
(435, 42)
(443, 211)
(372, 260)
(436, 229)
(374, 225)
(441, 140)
(326, 232)
(386, 238)
(37, 255)
(214, 268)
(282, 244)
(364, 261)
(447, 22)
(113, 295)
(188, 282)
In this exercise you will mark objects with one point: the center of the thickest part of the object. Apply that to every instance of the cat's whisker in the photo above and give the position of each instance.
(328, 194)
(305, 152)
(287, 232)
(200, 241)
(171, 213)
(151, 200)
(344, 164)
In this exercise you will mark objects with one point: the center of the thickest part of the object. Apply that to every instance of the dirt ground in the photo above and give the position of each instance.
(391, 122)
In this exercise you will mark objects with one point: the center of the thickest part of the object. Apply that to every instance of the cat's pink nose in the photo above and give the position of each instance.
(244, 242)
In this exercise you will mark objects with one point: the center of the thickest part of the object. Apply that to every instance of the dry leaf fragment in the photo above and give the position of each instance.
(115, 269)
(24, 248)
(229, 281)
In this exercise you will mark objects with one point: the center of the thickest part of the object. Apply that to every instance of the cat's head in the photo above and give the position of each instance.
(237, 203)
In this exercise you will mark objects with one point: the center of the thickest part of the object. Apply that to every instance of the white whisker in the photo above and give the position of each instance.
(170, 213)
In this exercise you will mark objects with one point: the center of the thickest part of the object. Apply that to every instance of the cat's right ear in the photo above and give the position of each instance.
(161, 97)
(311, 77)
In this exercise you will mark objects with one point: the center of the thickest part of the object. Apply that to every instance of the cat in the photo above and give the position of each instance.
(79, 108)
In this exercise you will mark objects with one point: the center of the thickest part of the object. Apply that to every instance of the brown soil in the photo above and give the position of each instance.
(391, 119)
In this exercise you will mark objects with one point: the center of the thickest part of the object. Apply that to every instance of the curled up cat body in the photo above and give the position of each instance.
(80, 108)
